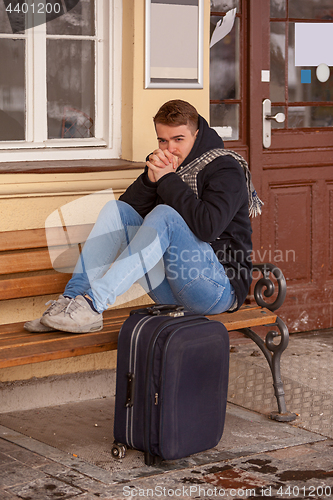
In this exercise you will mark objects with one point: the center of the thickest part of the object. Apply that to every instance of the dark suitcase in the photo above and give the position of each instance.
(172, 382)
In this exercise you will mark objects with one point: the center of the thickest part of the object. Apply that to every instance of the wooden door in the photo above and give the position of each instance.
(294, 175)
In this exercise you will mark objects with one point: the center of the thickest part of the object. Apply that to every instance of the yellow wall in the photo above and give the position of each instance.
(27, 199)
(139, 105)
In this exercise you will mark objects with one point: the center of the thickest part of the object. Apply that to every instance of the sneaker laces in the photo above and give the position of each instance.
(49, 309)
(72, 306)
(53, 303)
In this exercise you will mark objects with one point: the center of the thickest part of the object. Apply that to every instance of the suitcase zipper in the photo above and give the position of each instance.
(131, 375)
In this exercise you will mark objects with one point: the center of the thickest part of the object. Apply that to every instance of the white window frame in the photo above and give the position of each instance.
(107, 140)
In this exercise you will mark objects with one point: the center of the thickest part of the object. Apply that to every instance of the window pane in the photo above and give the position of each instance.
(223, 5)
(70, 88)
(78, 21)
(310, 9)
(277, 54)
(310, 116)
(278, 8)
(5, 26)
(12, 90)
(303, 84)
(225, 119)
(224, 64)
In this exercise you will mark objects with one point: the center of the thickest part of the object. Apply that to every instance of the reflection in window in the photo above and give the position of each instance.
(70, 83)
(277, 62)
(225, 91)
(12, 90)
(310, 116)
(223, 5)
(278, 8)
(310, 9)
(5, 26)
(224, 64)
(78, 21)
(224, 118)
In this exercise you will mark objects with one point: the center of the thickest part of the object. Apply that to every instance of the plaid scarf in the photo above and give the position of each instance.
(189, 174)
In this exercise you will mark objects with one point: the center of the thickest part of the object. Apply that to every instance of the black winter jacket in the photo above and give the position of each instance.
(218, 216)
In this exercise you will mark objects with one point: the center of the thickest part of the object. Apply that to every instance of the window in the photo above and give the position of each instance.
(296, 89)
(225, 69)
(56, 85)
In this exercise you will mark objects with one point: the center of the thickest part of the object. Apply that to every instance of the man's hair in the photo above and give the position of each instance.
(178, 112)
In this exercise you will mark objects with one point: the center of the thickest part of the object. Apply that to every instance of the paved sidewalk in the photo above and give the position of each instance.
(63, 452)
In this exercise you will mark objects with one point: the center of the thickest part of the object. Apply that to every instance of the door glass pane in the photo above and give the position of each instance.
(78, 21)
(12, 90)
(225, 119)
(310, 9)
(310, 86)
(278, 60)
(223, 5)
(224, 64)
(278, 8)
(303, 84)
(310, 116)
(70, 88)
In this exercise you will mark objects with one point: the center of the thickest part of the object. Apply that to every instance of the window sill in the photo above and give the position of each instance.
(68, 166)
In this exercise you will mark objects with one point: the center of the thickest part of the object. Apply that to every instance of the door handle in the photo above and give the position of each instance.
(279, 117)
(267, 122)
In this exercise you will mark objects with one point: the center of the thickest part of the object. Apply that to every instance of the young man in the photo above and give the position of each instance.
(182, 228)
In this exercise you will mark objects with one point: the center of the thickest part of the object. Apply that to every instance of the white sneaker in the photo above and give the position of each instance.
(35, 326)
(77, 317)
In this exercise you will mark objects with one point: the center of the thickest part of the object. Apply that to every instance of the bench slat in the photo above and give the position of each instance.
(22, 262)
(38, 260)
(18, 347)
(32, 286)
(21, 240)
(64, 348)
(246, 317)
(52, 338)
(12, 330)
(36, 238)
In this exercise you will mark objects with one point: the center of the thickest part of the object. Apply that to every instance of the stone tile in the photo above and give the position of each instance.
(55, 469)
(291, 452)
(28, 457)
(83, 482)
(17, 474)
(5, 459)
(46, 488)
(5, 495)
(6, 446)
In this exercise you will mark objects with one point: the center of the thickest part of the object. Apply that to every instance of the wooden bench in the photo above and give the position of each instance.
(26, 271)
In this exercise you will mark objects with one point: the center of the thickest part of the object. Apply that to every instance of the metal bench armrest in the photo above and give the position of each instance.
(266, 287)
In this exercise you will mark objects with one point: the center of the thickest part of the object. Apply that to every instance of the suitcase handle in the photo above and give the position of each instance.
(157, 309)
(130, 390)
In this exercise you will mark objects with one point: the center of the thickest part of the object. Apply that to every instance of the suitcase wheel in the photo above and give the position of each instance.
(118, 450)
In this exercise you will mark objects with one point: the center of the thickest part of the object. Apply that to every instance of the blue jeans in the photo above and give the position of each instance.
(159, 251)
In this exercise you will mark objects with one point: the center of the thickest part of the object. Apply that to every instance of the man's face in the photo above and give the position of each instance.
(178, 140)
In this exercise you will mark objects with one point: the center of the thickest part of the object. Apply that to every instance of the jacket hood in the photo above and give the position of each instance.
(206, 140)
